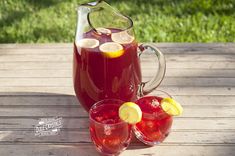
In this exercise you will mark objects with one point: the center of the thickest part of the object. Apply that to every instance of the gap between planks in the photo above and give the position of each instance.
(177, 91)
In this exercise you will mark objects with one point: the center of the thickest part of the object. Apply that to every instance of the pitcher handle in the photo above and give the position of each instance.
(149, 86)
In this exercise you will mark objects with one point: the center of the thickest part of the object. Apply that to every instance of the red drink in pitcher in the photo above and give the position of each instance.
(104, 68)
(155, 124)
(108, 132)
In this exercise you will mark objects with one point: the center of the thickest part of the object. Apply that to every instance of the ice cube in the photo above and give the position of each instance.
(112, 142)
(113, 113)
(156, 136)
(107, 130)
(155, 103)
(108, 121)
(99, 118)
(150, 124)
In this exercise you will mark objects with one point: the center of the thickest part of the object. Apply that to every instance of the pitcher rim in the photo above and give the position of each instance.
(99, 1)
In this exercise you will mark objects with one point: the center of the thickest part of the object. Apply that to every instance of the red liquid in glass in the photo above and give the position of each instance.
(98, 77)
(155, 124)
(109, 134)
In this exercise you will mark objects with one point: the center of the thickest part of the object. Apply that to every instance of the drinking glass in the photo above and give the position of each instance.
(156, 123)
(108, 132)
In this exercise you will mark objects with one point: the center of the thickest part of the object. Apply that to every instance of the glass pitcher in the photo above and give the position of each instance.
(106, 59)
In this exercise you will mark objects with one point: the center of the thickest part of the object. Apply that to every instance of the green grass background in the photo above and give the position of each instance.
(33, 21)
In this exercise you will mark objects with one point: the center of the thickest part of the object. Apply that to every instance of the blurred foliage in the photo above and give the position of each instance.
(32, 21)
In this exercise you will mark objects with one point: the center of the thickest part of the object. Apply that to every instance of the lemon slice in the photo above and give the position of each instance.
(88, 43)
(103, 30)
(112, 49)
(171, 107)
(122, 37)
(130, 112)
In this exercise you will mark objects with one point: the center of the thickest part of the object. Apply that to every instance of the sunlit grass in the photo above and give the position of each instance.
(154, 20)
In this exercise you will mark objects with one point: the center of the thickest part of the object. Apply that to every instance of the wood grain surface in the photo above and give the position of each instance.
(36, 82)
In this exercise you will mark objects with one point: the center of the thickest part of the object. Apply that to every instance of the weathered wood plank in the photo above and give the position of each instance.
(36, 46)
(199, 90)
(198, 50)
(83, 136)
(179, 124)
(66, 100)
(23, 111)
(70, 100)
(198, 65)
(23, 73)
(76, 111)
(89, 150)
(36, 58)
(36, 90)
(200, 58)
(48, 150)
(206, 100)
(36, 51)
(206, 73)
(35, 66)
(192, 81)
(34, 82)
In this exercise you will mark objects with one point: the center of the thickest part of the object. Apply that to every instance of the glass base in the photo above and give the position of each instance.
(101, 153)
(108, 154)
(140, 137)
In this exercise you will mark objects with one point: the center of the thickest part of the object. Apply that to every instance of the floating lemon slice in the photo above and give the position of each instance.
(130, 112)
(88, 43)
(171, 107)
(122, 37)
(112, 49)
(103, 30)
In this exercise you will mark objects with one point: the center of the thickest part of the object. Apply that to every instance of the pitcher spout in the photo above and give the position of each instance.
(100, 14)
(83, 23)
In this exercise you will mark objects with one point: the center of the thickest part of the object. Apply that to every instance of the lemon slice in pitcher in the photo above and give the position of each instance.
(130, 113)
(171, 107)
(122, 37)
(88, 43)
(111, 49)
(103, 30)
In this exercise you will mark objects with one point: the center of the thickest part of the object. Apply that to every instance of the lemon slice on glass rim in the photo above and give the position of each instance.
(111, 49)
(88, 43)
(130, 113)
(122, 37)
(171, 107)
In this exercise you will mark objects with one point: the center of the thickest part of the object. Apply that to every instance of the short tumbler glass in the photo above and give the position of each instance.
(156, 123)
(108, 132)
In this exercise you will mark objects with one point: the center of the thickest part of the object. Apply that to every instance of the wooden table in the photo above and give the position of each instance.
(36, 82)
